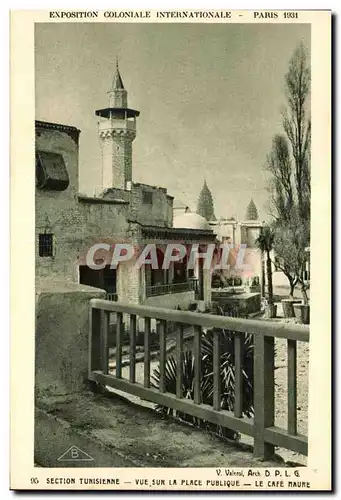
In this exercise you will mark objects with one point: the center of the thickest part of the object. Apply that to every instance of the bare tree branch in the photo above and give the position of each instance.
(289, 165)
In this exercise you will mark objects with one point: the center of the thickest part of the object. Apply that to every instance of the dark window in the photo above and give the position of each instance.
(179, 272)
(51, 172)
(147, 197)
(46, 245)
(109, 276)
(157, 277)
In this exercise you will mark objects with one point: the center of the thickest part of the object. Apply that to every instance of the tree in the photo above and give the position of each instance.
(205, 203)
(289, 165)
(265, 243)
(286, 254)
(293, 237)
(297, 126)
(281, 190)
(280, 186)
(251, 211)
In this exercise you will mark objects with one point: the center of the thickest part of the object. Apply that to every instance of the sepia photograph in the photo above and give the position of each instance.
(172, 240)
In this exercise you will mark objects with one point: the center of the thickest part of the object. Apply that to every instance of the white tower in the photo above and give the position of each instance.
(117, 130)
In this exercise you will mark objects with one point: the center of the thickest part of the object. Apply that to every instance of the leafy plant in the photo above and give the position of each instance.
(187, 384)
(227, 376)
(227, 371)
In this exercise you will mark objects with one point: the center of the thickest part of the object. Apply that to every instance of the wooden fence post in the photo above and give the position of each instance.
(263, 394)
(95, 340)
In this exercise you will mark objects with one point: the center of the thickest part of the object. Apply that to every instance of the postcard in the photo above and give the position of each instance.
(170, 204)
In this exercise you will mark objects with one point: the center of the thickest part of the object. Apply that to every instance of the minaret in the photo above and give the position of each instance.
(117, 130)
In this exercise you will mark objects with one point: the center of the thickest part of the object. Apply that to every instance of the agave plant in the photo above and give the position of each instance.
(227, 374)
(187, 384)
(227, 370)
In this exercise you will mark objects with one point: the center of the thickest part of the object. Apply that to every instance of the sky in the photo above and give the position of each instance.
(210, 97)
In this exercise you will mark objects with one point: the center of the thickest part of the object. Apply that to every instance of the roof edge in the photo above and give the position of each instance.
(71, 131)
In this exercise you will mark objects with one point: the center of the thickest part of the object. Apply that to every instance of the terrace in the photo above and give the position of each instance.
(106, 423)
(261, 427)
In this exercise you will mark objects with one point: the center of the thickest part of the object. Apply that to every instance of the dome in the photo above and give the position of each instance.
(191, 220)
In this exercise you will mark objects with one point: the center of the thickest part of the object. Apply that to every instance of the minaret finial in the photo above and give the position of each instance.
(117, 83)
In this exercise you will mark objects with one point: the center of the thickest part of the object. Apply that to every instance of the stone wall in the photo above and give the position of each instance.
(61, 336)
(75, 222)
(55, 209)
(155, 208)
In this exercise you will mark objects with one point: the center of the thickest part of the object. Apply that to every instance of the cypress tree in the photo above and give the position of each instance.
(205, 204)
(251, 211)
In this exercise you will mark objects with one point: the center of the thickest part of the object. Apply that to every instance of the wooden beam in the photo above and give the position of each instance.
(203, 411)
(179, 359)
(254, 326)
(197, 364)
(119, 341)
(94, 339)
(281, 437)
(162, 337)
(146, 378)
(216, 371)
(292, 387)
(132, 349)
(105, 316)
(263, 394)
(238, 374)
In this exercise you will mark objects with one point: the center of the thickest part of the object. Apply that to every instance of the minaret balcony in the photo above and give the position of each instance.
(117, 113)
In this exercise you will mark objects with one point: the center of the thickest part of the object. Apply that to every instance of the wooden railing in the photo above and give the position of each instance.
(186, 286)
(262, 427)
(112, 296)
